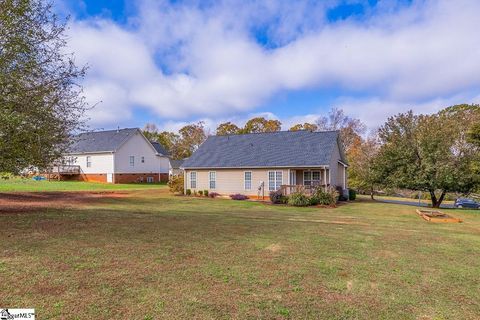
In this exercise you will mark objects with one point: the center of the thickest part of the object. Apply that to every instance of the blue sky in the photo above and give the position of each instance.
(174, 62)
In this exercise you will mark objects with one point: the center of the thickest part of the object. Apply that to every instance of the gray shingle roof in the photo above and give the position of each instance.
(159, 148)
(275, 149)
(99, 141)
(176, 164)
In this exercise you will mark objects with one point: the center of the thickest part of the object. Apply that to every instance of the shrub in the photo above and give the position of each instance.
(175, 184)
(298, 199)
(238, 196)
(205, 193)
(188, 192)
(277, 197)
(326, 198)
(352, 194)
(200, 193)
(195, 193)
(213, 194)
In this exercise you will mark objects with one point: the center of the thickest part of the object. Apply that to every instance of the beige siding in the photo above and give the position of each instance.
(229, 181)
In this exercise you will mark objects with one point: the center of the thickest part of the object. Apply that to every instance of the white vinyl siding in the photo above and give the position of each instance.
(275, 180)
(212, 179)
(247, 176)
(193, 180)
(132, 161)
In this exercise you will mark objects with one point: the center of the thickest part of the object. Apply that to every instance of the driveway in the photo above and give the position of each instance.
(414, 203)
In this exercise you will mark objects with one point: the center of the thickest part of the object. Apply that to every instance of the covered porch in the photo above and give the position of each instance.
(310, 179)
(306, 179)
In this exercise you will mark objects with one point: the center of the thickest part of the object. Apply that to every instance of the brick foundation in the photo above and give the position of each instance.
(118, 177)
(100, 177)
(137, 177)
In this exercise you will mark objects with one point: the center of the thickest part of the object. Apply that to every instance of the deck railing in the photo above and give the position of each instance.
(66, 169)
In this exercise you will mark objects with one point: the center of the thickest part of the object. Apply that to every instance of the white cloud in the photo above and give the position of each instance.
(182, 62)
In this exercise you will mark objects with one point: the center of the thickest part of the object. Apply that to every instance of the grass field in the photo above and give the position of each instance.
(150, 255)
(29, 185)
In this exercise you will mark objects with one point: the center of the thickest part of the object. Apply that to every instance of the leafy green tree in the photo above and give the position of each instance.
(260, 124)
(361, 158)
(41, 101)
(474, 135)
(227, 128)
(428, 153)
(304, 126)
(191, 137)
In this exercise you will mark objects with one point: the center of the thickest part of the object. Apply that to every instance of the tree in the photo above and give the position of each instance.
(260, 124)
(169, 140)
(474, 135)
(350, 128)
(150, 131)
(361, 158)
(191, 137)
(41, 101)
(428, 153)
(227, 128)
(304, 126)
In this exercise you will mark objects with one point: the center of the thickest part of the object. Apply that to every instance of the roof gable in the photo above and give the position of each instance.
(274, 149)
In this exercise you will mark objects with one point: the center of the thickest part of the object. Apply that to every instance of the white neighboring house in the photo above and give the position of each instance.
(115, 156)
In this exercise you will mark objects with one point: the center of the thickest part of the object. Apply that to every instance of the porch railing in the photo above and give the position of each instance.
(288, 189)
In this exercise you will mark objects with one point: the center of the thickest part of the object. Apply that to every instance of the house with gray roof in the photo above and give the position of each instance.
(115, 156)
(258, 163)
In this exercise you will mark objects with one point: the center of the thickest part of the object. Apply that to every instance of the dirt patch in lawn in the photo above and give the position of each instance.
(31, 201)
(274, 247)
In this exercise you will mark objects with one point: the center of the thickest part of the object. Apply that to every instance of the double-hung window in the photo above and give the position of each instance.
(311, 178)
(89, 161)
(248, 180)
(274, 180)
(212, 178)
(193, 180)
(132, 161)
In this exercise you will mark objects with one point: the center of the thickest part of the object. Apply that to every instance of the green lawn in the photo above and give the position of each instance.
(30, 185)
(155, 256)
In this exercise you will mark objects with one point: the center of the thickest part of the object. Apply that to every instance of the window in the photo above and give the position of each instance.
(132, 161)
(150, 179)
(274, 180)
(89, 161)
(143, 160)
(212, 178)
(193, 180)
(311, 178)
(248, 180)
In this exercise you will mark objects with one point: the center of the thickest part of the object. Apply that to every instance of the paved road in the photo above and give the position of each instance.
(413, 203)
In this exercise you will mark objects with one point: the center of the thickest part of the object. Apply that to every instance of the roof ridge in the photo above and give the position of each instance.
(280, 131)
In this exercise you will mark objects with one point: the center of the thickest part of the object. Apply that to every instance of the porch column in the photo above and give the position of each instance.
(325, 178)
(344, 177)
(289, 178)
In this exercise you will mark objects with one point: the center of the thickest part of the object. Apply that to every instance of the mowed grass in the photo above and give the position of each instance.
(30, 185)
(156, 256)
